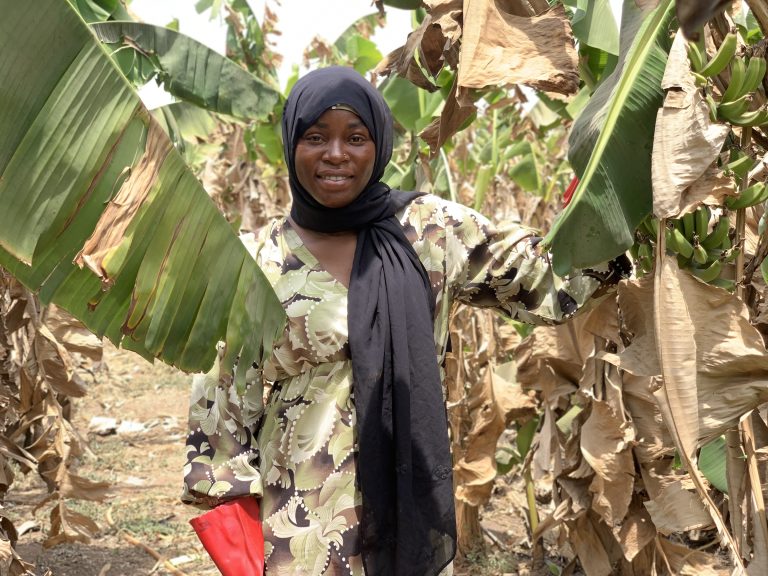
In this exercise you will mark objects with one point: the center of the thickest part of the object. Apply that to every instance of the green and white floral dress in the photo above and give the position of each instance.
(297, 451)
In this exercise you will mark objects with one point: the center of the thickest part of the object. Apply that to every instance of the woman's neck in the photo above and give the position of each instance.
(316, 234)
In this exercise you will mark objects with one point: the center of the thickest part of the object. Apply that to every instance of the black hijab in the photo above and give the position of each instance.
(408, 525)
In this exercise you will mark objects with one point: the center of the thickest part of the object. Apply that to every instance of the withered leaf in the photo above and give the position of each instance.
(499, 49)
(447, 14)
(427, 43)
(676, 509)
(731, 362)
(589, 548)
(72, 334)
(451, 119)
(636, 531)
(114, 221)
(69, 526)
(606, 443)
(74, 486)
(686, 562)
(686, 142)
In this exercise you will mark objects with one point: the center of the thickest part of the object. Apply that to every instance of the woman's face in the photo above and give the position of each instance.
(334, 158)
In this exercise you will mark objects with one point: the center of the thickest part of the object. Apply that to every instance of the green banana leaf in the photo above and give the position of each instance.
(362, 53)
(189, 127)
(403, 4)
(712, 463)
(610, 147)
(187, 69)
(593, 24)
(99, 10)
(411, 106)
(100, 214)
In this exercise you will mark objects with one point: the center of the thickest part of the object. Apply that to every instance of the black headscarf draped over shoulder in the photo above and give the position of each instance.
(408, 525)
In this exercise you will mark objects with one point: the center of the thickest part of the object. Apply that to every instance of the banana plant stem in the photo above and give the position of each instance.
(533, 514)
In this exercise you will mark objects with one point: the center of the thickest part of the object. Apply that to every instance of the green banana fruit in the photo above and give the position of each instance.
(712, 105)
(654, 227)
(724, 283)
(729, 255)
(709, 273)
(644, 250)
(696, 57)
(750, 196)
(754, 118)
(679, 243)
(718, 234)
(714, 254)
(701, 222)
(722, 57)
(755, 73)
(699, 80)
(700, 255)
(645, 257)
(734, 109)
(740, 167)
(650, 226)
(738, 72)
(688, 226)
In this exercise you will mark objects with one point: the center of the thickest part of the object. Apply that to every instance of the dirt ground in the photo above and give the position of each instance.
(144, 527)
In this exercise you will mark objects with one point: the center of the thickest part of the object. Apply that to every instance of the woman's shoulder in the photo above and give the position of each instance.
(429, 209)
(264, 240)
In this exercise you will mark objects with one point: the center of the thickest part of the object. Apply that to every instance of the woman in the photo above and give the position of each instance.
(351, 455)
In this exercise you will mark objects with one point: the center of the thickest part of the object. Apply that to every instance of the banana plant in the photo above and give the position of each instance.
(187, 69)
(100, 214)
(610, 147)
(594, 25)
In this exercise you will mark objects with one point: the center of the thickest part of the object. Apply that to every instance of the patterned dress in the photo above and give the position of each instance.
(298, 451)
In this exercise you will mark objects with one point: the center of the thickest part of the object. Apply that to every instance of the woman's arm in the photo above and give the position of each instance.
(502, 267)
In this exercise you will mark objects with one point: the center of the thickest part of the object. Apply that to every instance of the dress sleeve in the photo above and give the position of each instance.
(501, 267)
(221, 452)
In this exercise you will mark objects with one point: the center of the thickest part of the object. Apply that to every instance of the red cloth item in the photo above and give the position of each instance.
(570, 190)
(231, 534)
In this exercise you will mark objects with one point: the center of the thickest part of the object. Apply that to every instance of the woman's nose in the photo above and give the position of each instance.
(335, 153)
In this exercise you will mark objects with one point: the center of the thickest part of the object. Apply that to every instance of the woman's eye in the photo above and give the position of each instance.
(313, 138)
(357, 139)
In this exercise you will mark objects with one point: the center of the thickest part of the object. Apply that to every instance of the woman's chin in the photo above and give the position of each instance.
(335, 199)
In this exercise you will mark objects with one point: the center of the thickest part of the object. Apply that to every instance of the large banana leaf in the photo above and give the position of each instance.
(187, 69)
(610, 147)
(593, 24)
(87, 175)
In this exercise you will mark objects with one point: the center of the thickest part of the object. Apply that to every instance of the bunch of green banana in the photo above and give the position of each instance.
(642, 250)
(642, 253)
(699, 250)
(746, 76)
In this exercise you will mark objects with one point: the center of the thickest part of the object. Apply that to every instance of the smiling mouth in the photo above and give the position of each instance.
(334, 178)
